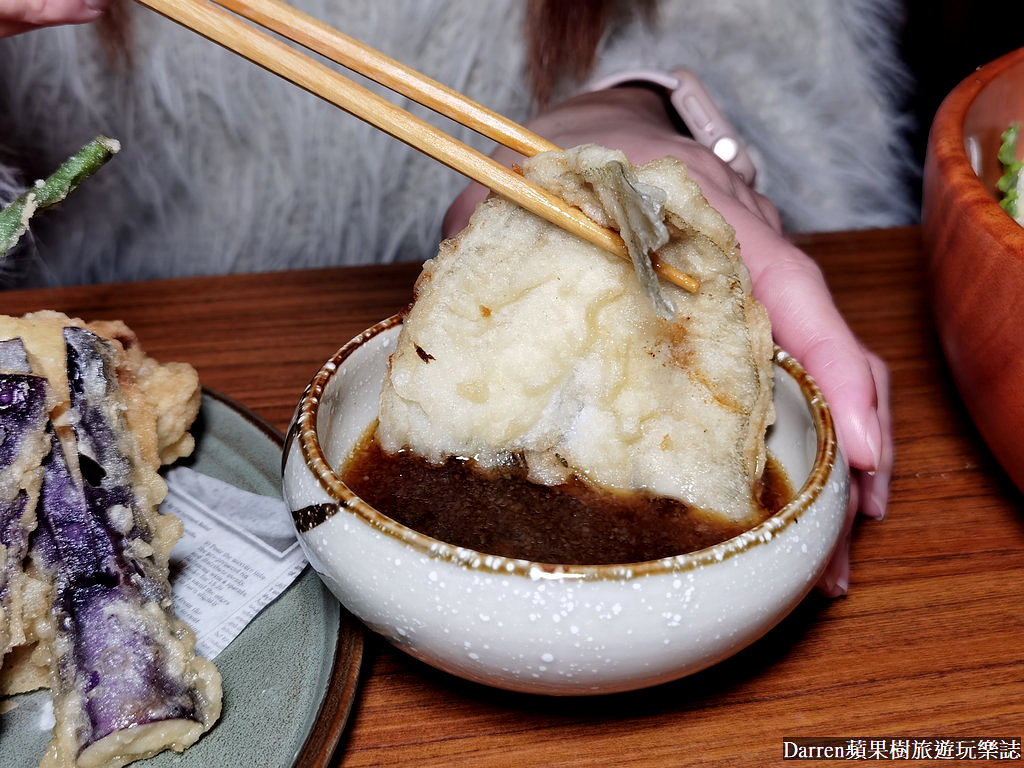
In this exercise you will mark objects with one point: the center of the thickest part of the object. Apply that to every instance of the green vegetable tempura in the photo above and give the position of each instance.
(54, 189)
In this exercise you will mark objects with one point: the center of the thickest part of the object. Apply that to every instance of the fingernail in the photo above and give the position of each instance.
(835, 581)
(873, 437)
(97, 5)
(837, 585)
(877, 502)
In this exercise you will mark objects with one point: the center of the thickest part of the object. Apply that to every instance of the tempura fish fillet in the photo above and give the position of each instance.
(525, 342)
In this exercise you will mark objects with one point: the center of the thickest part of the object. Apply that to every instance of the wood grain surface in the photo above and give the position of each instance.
(929, 642)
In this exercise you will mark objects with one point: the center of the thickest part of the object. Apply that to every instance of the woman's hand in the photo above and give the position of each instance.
(17, 16)
(805, 320)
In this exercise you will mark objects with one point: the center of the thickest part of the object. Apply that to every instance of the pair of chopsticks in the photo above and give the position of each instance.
(231, 32)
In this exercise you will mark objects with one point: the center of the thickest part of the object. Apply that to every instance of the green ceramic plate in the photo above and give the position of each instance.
(289, 679)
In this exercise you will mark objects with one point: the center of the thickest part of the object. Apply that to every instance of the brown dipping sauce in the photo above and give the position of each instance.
(574, 523)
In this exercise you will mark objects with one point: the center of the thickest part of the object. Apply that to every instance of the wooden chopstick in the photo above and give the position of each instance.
(311, 33)
(231, 32)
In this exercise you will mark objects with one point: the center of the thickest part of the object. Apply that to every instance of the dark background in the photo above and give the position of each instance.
(945, 40)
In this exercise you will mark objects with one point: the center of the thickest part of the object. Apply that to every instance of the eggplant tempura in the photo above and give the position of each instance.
(86, 420)
(527, 344)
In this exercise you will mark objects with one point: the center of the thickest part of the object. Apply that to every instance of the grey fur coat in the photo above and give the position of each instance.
(226, 168)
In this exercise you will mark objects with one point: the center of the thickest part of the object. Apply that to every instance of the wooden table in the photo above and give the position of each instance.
(929, 642)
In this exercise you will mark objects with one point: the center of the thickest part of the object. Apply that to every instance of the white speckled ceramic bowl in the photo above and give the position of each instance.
(545, 628)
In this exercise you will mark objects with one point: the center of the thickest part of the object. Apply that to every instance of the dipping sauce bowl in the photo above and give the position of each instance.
(543, 627)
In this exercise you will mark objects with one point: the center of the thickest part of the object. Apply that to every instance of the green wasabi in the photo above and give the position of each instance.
(52, 190)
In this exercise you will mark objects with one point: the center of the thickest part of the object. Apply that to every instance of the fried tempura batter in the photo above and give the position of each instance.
(525, 342)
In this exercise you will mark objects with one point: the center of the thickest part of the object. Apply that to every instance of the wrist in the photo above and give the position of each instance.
(692, 111)
(631, 119)
(613, 107)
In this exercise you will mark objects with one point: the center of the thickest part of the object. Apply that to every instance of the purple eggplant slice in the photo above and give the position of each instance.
(125, 680)
(23, 443)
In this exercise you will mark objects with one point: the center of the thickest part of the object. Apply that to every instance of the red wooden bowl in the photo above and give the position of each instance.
(976, 254)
